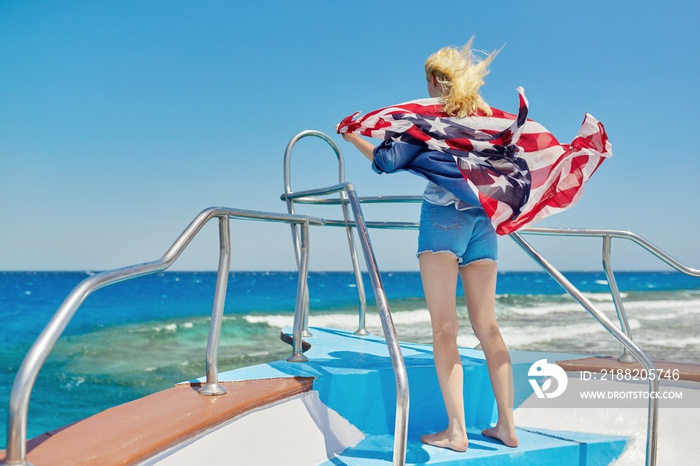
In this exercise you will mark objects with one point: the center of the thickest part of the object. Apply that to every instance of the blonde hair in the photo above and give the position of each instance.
(461, 74)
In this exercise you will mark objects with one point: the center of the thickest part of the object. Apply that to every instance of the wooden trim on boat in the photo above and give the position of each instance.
(138, 430)
(686, 371)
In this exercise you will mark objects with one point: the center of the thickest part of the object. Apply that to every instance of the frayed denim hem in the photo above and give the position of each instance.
(479, 260)
(459, 259)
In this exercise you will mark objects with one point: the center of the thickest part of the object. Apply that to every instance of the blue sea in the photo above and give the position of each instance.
(138, 337)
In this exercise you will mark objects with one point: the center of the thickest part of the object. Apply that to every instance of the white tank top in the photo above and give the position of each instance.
(438, 195)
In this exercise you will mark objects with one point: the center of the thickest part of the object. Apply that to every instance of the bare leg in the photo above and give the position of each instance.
(439, 276)
(479, 280)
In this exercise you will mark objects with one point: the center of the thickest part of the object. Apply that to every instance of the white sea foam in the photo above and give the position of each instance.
(685, 305)
(554, 323)
(634, 324)
(343, 321)
(275, 320)
(74, 382)
(551, 308)
(647, 310)
(666, 315)
(467, 340)
(525, 336)
(603, 296)
(679, 343)
(599, 296)
(518, 337)
(166, 327)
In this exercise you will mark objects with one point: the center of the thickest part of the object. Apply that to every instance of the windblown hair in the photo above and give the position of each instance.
(461, 73)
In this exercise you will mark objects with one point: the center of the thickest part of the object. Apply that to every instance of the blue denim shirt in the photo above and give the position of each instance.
(446, 184)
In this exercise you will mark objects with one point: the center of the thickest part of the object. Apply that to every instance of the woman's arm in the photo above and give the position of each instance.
(387, 157)
(362, 145)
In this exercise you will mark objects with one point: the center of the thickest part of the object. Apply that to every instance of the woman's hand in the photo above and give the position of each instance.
(361, 144)
(347, 136)
(351, 137)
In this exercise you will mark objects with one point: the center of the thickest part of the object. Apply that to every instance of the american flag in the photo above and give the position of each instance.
(519, 171)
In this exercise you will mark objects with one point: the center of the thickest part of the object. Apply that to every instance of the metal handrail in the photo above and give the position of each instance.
(607, 236)
(667, 258)
(392, 341)
(361, 296)
(363, 200)
(347, 195)
(623, 336)
(35, 358)
(388, 328)
(653, 409)
(313, 196)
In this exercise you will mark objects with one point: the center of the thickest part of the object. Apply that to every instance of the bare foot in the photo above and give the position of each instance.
(506, 436)
(444, 439)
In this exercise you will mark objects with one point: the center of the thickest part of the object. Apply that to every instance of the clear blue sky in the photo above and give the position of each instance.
(121, 120)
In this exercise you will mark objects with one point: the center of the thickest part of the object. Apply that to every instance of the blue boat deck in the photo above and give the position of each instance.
(537, 447)
(354, 376)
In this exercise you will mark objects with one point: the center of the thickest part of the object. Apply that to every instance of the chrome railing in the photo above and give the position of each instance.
(33, 361)
(362, 300)
(388, 328)
(653, 408)
(348, 196)
(623, 334)
(607, 237)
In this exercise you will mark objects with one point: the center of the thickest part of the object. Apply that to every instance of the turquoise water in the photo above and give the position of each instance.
(138, 337)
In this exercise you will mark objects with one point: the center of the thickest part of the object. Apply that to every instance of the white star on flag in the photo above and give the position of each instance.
(500, 182)
(435, 144)
(467, 162)
(437, 125)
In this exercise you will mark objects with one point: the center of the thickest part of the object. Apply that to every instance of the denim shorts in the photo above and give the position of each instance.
(468, 234)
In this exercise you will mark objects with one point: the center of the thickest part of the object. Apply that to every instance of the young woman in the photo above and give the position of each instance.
(456, 238)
